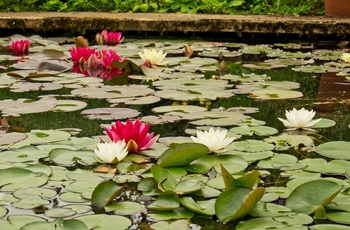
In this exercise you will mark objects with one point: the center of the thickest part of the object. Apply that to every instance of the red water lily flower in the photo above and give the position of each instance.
(20, 46)
(135, 133)
(109, 38)
(81, 55)
(108, 56)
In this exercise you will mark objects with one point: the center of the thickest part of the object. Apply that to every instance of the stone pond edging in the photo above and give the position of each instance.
(174, 23)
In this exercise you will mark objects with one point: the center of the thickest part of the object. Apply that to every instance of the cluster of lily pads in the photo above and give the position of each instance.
(217, 171)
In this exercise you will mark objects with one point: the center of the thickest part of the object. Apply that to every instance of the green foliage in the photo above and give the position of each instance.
(297, 7)
(16, 6)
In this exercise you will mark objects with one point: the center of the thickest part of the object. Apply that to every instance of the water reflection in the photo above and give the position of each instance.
(332, 90)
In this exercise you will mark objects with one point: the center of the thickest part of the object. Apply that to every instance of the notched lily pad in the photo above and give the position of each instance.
(110, 113)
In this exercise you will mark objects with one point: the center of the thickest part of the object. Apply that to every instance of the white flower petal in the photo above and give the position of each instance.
(153, 56)
(111, 152)
(214, 139)
(299, 119)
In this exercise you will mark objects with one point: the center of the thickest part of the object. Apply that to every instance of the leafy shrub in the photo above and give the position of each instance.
(296, 7)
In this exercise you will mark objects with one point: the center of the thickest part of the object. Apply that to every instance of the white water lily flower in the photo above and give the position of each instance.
(153, 56)
(111, 152)
(299, 119)
(346, 57)
(214, 139)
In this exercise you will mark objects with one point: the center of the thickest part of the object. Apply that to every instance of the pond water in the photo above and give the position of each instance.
(55, 113)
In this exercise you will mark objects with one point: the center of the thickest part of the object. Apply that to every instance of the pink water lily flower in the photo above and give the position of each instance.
(81, 55)
(109, 38)
(20, 46)
(135, 133)
(93, 61)
(108, 56)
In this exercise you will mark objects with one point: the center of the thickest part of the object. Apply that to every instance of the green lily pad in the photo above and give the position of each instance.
(233, 163)
(324, 123)
(36, 137)
(286, 141)
(233, 204)
(339, 217)
(175, 214)
(63, 225)
(42, 105)
(35, 192)
(205, 207)
(276, 94)
(277, 161)
(182, 154)
(251, 156)
(78, 208)
(268, 210)
(110, 113)
(335, 150)
(124, 208)
(16, 178)
(27, 154)
(10, 138)
(179, 108)
(309, 197)
(60, 212)
(266, 223)
(103, 194)
(258, 130)
(174, 225)
(329, 227)
(73, 197)
(18, 221)
(167, 200)
(113, 91)
(67, 157)
(83, 186)
(3, 211)
(149, 187)
(69, 105)
(322, 166)
(250, 146)
(30, 203)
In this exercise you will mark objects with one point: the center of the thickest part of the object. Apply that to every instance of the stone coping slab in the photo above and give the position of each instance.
(174, 23)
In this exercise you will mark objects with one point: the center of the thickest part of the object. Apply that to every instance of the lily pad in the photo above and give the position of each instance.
(308, 198)
(37, 137)
(67, 157)
(175, 214)
(335, 150)
(110, 113)
(235, 203)
(168, 200)
(174, 225)
(105, 222)
(10, 138)
(16, 178)
(182, 154)
(124, 208)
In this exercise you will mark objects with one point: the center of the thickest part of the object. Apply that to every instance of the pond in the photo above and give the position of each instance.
(55, 114)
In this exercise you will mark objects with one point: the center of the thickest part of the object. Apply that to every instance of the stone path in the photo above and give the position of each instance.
(175, 23)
